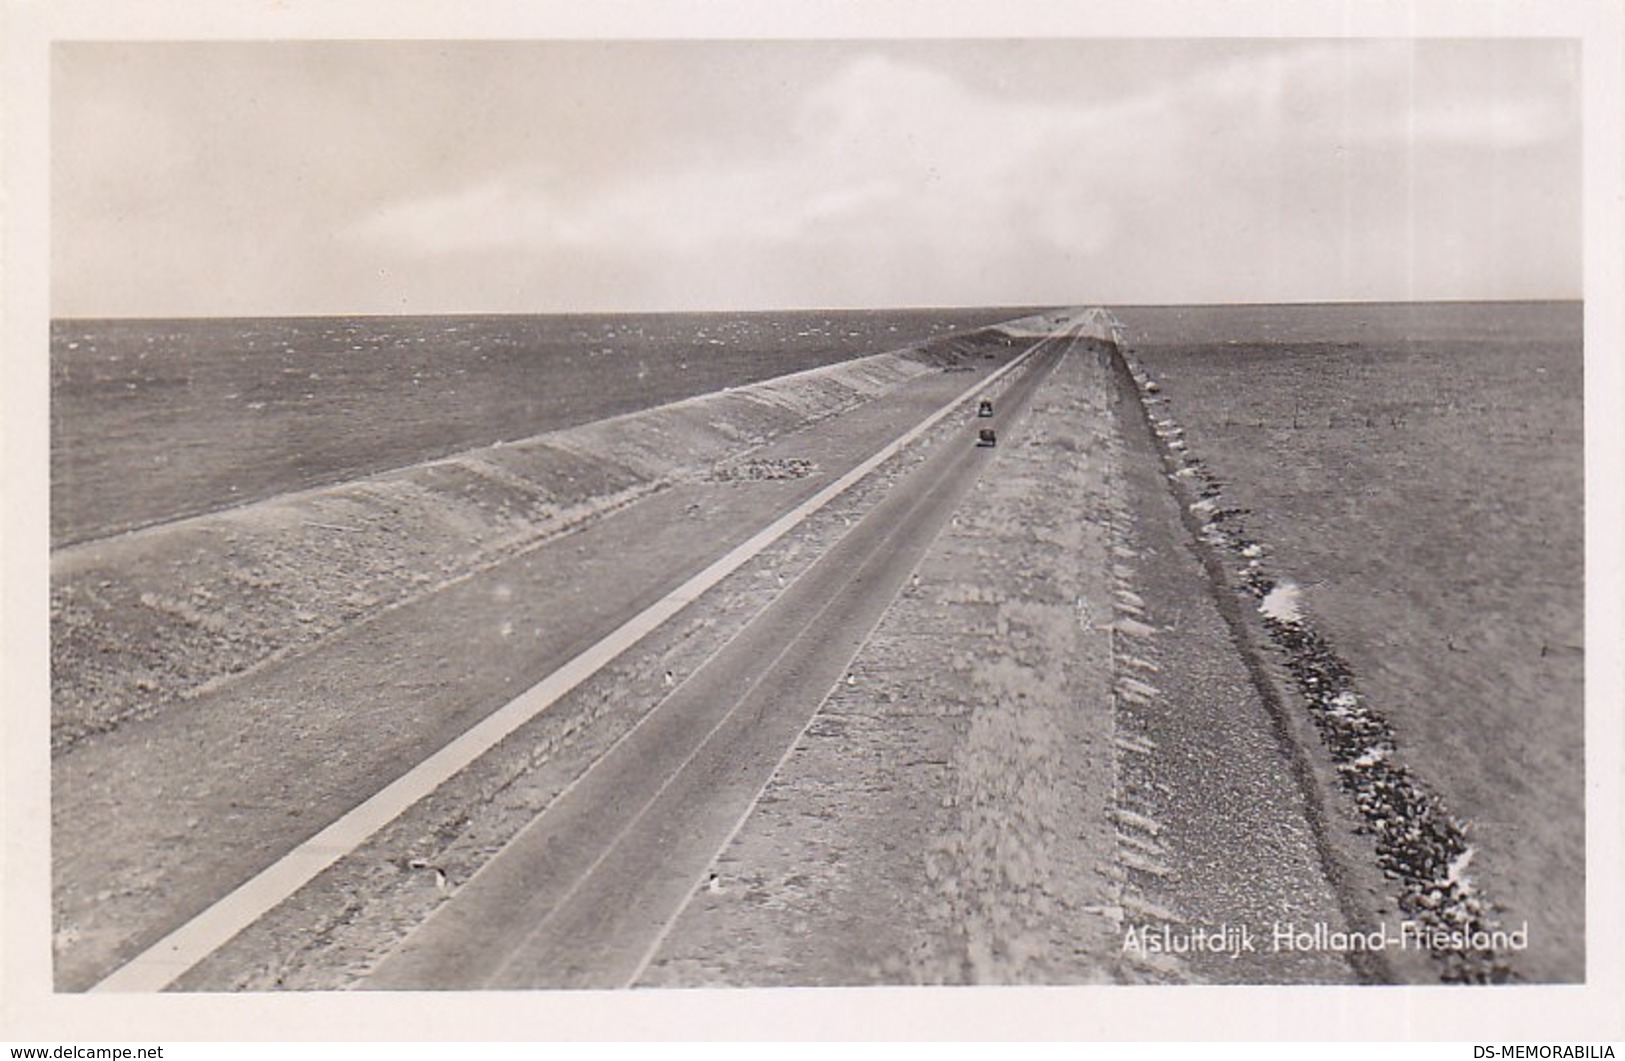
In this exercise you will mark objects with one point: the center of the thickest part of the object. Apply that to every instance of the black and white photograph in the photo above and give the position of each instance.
(609, 510)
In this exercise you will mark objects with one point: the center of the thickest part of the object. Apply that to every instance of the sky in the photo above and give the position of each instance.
(308, 177)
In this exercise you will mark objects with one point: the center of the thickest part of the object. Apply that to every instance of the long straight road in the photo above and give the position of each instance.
(583, 896)
(833, 728)
(161, 825)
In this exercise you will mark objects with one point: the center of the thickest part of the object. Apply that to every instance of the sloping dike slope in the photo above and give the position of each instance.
(171, 611)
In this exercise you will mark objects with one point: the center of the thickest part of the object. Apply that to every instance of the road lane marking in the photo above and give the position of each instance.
(412, 956)
(860, 565)
(670, 922)
(166, 960)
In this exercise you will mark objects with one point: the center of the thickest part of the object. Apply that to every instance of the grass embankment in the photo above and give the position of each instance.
(158, 420)
(142, 619)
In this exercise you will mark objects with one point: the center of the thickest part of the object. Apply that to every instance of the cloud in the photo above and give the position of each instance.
(896, 148)
(883, 153)
(734, 175)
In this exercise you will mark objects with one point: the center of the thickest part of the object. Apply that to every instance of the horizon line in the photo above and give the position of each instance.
(1015, 307)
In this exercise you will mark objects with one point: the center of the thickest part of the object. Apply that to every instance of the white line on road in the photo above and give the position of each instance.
(160, 964)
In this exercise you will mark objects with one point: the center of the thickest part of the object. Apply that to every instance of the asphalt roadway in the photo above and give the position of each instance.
(584, 895)
(158, 821)
(164, 823)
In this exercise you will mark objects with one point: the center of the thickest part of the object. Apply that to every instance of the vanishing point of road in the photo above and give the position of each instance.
(584, 895)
